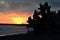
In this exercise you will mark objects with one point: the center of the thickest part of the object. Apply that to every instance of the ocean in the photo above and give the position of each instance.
(11, 30)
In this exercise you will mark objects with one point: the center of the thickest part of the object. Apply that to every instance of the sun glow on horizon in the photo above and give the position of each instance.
(18, 20)
(14, 17)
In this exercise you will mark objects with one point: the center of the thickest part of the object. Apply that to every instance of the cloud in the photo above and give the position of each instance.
(4, 5)
(26, 5)
(22, 5)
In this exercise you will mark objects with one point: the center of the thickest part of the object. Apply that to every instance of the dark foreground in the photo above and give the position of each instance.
(41, 36)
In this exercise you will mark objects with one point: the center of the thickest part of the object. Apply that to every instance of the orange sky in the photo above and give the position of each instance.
(14, 17)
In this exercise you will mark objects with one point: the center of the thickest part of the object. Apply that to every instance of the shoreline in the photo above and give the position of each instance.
(42, 36)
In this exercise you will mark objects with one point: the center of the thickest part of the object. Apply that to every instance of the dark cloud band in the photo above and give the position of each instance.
(25, 5)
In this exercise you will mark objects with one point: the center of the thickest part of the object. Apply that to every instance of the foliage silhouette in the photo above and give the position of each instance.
(46, 23)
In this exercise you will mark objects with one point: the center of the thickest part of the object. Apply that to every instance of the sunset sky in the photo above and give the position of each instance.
(18, 11)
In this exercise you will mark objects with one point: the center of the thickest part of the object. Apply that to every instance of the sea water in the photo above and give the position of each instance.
(10, 30)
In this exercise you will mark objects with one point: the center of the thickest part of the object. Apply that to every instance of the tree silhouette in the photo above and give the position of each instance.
(44, 23)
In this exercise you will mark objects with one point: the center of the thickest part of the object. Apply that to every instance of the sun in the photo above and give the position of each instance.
(18, 20)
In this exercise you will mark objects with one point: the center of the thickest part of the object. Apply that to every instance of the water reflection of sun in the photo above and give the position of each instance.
(18, 20)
